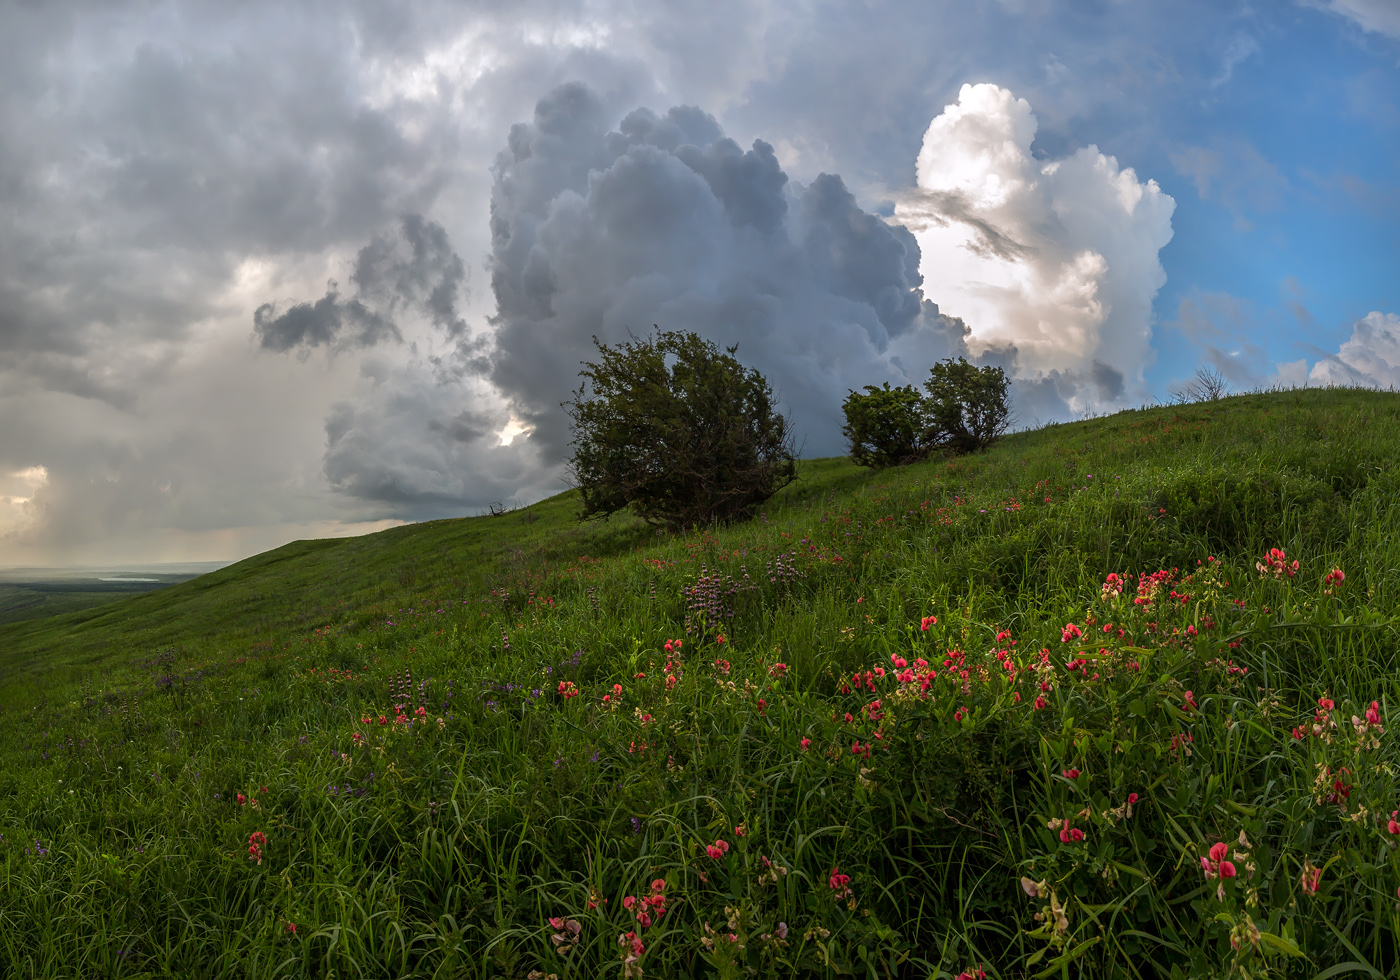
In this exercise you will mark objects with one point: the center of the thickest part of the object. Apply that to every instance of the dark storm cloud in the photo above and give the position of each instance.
(600, 231)
(413, 271)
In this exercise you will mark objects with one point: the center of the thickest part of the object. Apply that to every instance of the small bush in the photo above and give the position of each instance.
(966, 410)
(967, 404)
(886, 426)
(678, 431)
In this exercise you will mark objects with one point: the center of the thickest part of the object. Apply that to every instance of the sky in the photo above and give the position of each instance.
(272, 271)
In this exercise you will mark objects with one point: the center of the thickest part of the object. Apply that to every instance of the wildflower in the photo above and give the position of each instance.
(1370, 729)
(1216, 865)
(242, 799)
(566, 933)
(1040, 702)
(1334, 577)
(256, 840)
(568, 690)
(1070, 773)
(1070, 632)
(1310, 878)
(778, 671)
(806, 744)
(632, 950)
(741, 831)
(291, 927)
(928, 621)
(1190, 701)
(1112, 587)
(1275, 563)
(840, 884)
(717, 850)
(1394, 825)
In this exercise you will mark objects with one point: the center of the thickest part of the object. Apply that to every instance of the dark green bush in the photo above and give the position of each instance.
(886, 426)
(967, 404)
(678, 431)
(965, 410)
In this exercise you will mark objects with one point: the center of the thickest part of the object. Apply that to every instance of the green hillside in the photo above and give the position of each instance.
(912, 728)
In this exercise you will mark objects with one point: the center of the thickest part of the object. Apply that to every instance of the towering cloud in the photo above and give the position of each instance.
(1056, 259)
(664, 220)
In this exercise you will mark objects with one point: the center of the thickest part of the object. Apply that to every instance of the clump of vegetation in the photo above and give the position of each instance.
(1112, 699)
(678, 431)
(966, 410)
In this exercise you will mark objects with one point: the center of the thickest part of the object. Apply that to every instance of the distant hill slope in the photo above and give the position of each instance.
(1297, 457)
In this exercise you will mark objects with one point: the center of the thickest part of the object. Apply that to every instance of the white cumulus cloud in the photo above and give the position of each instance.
(1370, 358)
(1052, 261)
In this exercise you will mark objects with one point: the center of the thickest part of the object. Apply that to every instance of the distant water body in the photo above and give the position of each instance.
(151, 574)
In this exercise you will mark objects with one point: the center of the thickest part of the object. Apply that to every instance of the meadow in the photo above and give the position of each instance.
(1110, 699)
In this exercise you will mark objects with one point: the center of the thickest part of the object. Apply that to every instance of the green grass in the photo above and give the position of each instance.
(428, 847)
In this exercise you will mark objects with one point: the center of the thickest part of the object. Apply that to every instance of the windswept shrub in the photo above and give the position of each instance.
(886, 426)
(678, 431)
(965, 410)
(967, 404)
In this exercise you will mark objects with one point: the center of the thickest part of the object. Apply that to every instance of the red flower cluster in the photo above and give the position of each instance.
(1334, 578)
(568, 689)
(1322, 723)
(1112, 586)
(650, 908)
(1070, 834)
(840, 884)
(256, 840)
(1216, 866)
(1276, 563)
(717, 850)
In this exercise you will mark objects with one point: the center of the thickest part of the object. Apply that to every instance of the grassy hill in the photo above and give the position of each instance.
(907, 725)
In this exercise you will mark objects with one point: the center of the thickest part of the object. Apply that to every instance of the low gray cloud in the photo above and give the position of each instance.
(603, 231)
(413, 271)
